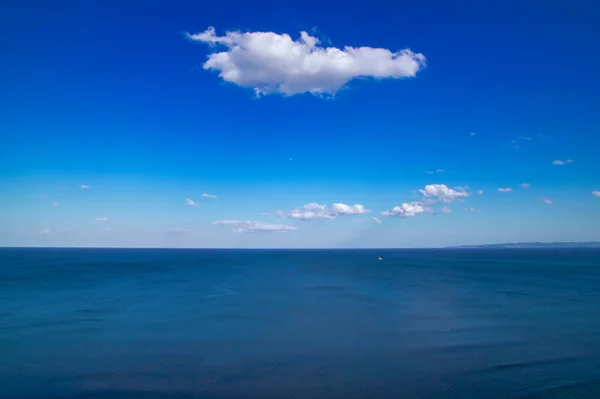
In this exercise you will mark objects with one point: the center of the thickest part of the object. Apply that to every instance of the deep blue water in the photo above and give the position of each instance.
(459, 324)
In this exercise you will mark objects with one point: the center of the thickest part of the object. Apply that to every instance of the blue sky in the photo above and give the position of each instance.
(146, 107)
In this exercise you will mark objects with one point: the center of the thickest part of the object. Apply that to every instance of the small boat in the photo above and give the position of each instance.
(380, 258)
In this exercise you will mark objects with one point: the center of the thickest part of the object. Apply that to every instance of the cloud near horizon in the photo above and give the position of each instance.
(253, 226)
(408, 209)
(504, 190)
(596, 193)
(269, 62)
(321, 211)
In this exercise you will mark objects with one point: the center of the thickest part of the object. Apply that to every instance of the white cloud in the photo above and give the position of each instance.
(596, 193)
(442, 192)
(280, 214)
(480, 192)
(473, 134)
(102, 219)
(253, 226)
(275, 63)
(547, 200)
(191, 202)
(311, 211)
(407, 209)
(525, 138)
(84, 186)
(525, 185)
(376, 220)
(343, 209)
(504, 190)
(446, 209)
(46, 231)
(56, 203)
(559, 162)
(321, 211)
(209, 196)
(471, 210)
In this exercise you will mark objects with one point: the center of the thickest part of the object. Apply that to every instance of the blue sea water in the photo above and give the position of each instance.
(458, 324)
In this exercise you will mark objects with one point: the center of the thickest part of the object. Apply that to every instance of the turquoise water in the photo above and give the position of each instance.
(117, 323)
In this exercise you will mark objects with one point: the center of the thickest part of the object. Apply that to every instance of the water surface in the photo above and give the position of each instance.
(458, 324)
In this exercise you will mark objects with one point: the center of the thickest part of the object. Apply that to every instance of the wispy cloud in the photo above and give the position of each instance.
(85, 187)
(525, 185)
(408, 209)
(480, 192)
(321, 211)
(596, 193)
(547, 201)
(275, 63)
(209, 196)
(559, 162)
(46, 231)
(504, 190)
(101, 219)
(472, 210)
(524, 138)
(376, 220)
(253, 226)
(178, 230)
(446, 209)
(473, 134)
(107, 230)
(55, 203)
(190, 202)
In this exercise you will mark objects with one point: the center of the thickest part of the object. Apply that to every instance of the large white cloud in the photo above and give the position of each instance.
(408, 209)
(253, 226)
(343, 209)
(275, 63)
(443, 193)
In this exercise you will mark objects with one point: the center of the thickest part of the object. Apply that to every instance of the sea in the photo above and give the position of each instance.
(216, 324)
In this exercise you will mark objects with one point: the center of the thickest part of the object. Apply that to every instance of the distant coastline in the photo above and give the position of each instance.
(586, 244)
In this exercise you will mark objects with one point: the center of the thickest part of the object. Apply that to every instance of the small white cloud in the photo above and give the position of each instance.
(429, 172)
(209, 196)
(376, 220)
(407, 209)
(343, 209)
(547, 200)
(321, 211)
(280, 214)
(472, 210)
(446, 209)
(253, 226)
(473, 134)
(525, 185)
(504, 190)
(439, 171)
(275, 63)
(84, 186)
(559, 162)
(190, 202)
(525, 138)
(442, 192)
(56, 203)
(46, 231)
(102, 219)
(480, 192)
(311, 211)
(596, 193)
